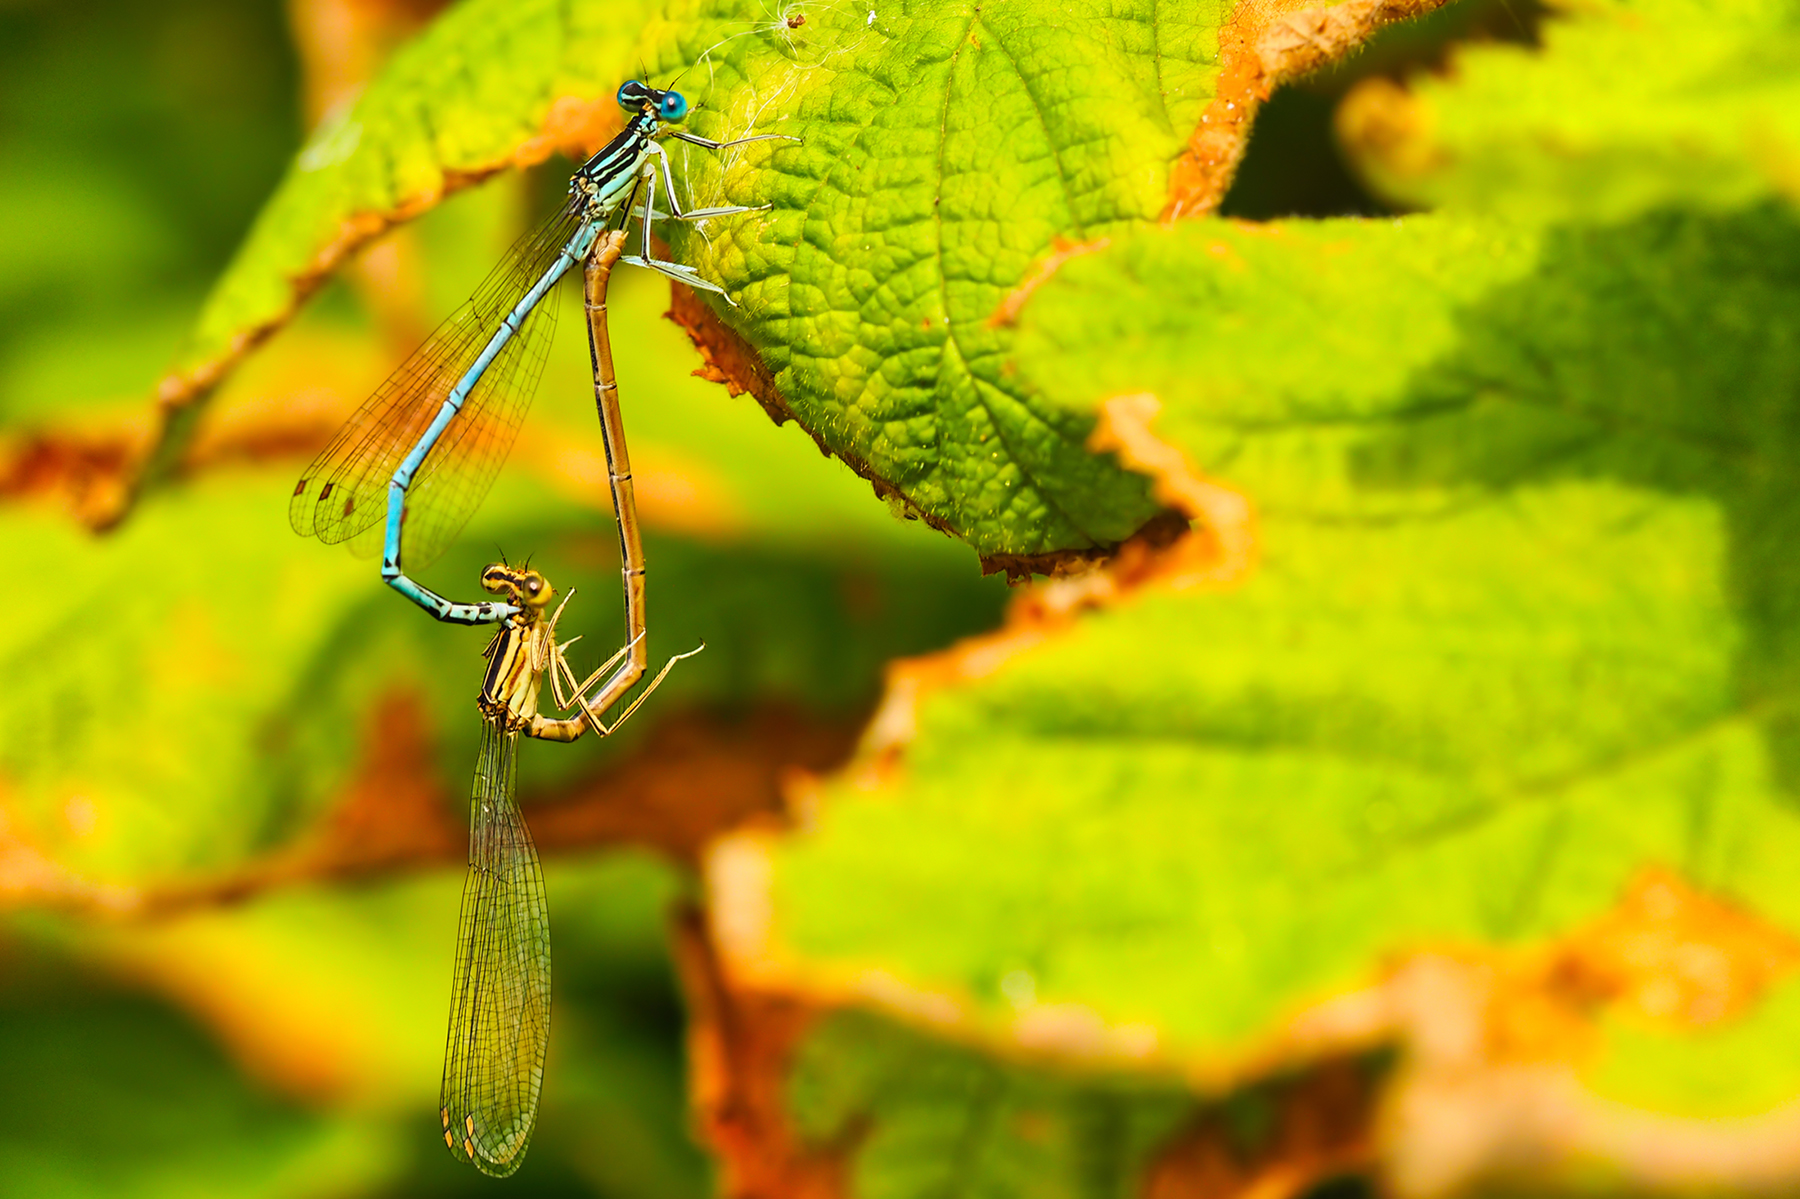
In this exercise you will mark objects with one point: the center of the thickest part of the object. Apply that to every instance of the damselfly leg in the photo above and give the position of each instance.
(675, 270)
(570, 695)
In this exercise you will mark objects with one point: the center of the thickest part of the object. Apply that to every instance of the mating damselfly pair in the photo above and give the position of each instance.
(431, 440)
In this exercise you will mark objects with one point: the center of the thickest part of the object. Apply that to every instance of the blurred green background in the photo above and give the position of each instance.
(233, 767)
(208, 987)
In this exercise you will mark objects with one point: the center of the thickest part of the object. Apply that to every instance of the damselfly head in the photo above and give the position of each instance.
(520, 584)
(668, 106)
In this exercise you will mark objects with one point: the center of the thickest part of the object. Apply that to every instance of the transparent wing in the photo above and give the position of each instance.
(500, 999)
(344, 492)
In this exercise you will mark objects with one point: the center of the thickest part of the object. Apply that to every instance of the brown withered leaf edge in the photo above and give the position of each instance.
(1206, 538)
(1470, 1057)
(1318, 1122)
(1320, 1125)
(694, 777)
(1264, 44)
(740, 1043)
(1490, 1085)
(729, 359)
(85, 472)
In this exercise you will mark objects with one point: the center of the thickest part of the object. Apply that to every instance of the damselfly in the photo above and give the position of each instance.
(500, 994)
(433, 436)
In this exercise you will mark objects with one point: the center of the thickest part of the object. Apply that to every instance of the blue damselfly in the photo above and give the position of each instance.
(426, 446)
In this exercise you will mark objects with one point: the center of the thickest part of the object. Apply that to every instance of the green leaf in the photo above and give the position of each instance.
(461, 102)
(1625, 108)
(330, 1003)
(944, 152)
(159, 1113)
(1520, 631)
(946, 149)
(928, 1118)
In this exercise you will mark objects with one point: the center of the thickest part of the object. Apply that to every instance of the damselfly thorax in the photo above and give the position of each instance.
(523, 648)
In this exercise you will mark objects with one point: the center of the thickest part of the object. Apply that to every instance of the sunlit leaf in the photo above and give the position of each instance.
(943, 153)
(1517, 640)
(1625, 108)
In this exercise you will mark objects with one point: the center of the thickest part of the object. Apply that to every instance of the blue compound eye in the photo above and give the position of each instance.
(674, 106)
(631, 95)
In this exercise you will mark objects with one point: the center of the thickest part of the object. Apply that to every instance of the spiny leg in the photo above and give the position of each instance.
(567, 690)
(562, 679)
(562, 675)
(557, 615)
(550, 633)
(648, 260)
(696, 140)
(687, 274)
(593, 715)
(699, 214)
